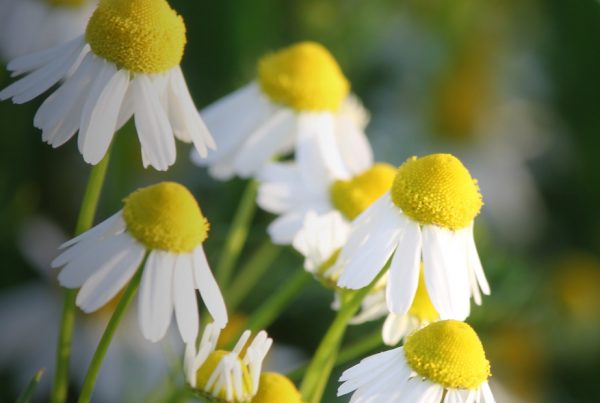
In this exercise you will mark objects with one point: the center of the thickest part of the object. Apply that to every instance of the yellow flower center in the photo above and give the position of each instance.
(165, 216)
(142, 36)
(422, 308)
(66, 3)
(205, 371)
(351, 197)
(276, 388)
(437, 190)
(448, 353)
(304, 76)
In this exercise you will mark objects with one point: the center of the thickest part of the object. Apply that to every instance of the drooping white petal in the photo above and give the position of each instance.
(355, 149)
(184, 294)
(445, 271)
(34, 61)
(103, 285)
(404, 269)
(285, 227)
(372, 241)
(453, 396)
(474, 261)
(152, 123)
(394, 328)
(156, 295)
(208, 287)
(486, 393)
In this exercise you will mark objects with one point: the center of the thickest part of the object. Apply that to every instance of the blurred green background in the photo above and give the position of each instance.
(509, 86)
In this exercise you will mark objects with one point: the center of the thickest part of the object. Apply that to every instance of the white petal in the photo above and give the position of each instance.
(102, 286)
(284, 228)
(208, 287)
(354, 146)
(486, 393)
(446, 276)
(475, 262)
(36, 60)
(102, 120)
(372, 241)
(404, 270)
(184, 292)
(111, 225)
(453, 396)
(394, 328)
(152, 123)
(156, 298)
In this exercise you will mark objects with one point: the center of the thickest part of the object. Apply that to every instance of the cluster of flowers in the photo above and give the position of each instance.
(406, 232)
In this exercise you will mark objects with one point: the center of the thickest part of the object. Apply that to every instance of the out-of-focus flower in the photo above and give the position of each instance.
(276, 388)
(28, 26)
(292, 189)
(164, 223)
(230, 376)
(300, 102)
(426, 216)
(126, 64)
(131, 367)
(443, 362)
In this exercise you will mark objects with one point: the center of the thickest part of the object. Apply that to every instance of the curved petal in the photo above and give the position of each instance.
(184, 294)
(208, 287)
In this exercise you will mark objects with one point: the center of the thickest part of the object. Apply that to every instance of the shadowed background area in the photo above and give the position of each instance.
(510, 87)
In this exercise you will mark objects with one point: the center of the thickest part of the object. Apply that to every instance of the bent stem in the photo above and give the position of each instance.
(117, 316)
(84, 222)
(319, 369)
(236, 237)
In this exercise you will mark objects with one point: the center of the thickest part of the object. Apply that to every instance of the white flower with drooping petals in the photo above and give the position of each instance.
(441, 363)
(164, 223)
(232, 376)
(300, 102)
(126, 64)
(426, 217)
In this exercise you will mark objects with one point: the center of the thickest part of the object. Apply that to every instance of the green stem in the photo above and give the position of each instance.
(25, 397)
(346, 354)
(117, 316)
(84, 222)
(319, 369)
(250, 273)
(275, 304)
(236, 237)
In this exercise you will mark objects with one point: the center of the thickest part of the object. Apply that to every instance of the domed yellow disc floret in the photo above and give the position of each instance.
(448, 353)
(422, 308)
(205, 371)
(165, 216)
(142, 36)
(66, 3)
(351, 197)
(438, 190)
(304, 76)
(276, 388)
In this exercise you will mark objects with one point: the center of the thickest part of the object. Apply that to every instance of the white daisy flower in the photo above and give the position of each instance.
(164, 223)
(126, 64)
(229, 376)
(28, 26)
(292, 189)
(426, 216)
(299, 102)
(441, 363)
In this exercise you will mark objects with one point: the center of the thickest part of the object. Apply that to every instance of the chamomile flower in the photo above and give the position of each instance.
(276, 388)
(292, 189)
(229, 376)
(28, 26)
(164, 223)
(299, 102)
(426, 216)
(443, 362)
(396, 327)
(126, 64)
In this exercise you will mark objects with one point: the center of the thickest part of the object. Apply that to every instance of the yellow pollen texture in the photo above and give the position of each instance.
(142, 36)
(66, 3)
(276, 388)
(351, 197)
(165, 216)
(205, 371)
(448, 353)
(437, 190)
(304, 77)
(422, 308)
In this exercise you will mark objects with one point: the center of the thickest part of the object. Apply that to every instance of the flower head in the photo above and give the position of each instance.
(443, 362)
(126, 64)
(276, 388)
(164, 223)
(230, 376)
